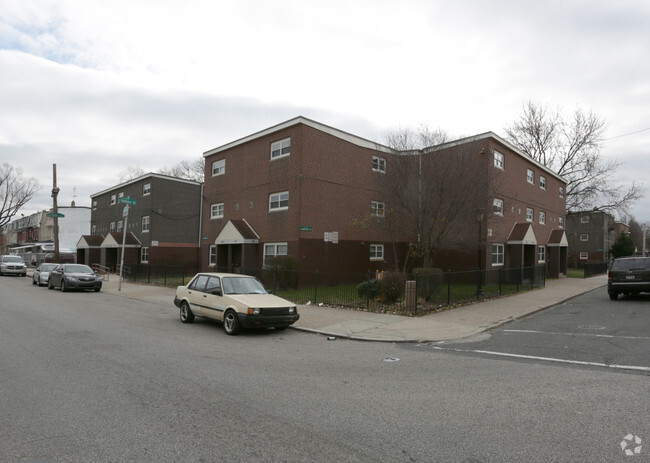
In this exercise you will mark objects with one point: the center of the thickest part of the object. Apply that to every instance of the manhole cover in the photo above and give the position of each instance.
(591, 327)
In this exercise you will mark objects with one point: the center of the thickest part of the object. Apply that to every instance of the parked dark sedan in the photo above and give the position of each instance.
(628, 275)
(74, 276)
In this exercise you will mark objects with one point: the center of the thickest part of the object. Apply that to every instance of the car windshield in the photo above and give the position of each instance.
(242, 285)
(47, 267)
(13, 259)
(631, 264)
(77, 269)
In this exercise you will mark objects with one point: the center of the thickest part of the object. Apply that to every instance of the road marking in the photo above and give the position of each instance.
(547, 359)
(639, 338)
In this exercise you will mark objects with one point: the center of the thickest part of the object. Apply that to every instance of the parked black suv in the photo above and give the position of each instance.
(628, 275)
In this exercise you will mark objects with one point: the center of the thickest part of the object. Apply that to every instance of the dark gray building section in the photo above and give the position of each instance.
(166, 218)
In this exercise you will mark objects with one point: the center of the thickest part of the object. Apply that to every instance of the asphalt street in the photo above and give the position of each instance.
(94, 377)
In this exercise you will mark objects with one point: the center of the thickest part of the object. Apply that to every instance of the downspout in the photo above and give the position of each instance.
(201, 228)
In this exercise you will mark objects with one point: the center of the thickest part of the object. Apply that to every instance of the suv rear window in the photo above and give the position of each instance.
(631, 264)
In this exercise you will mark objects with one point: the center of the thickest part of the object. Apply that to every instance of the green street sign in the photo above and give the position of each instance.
(130, 201)
(55, 214)
(305, 228)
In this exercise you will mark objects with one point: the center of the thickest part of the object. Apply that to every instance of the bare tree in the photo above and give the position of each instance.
(571, 148)
(16, 190)
(190, 170)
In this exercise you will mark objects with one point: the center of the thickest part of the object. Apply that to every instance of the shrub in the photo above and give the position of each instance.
(393, 286)
(369, 289)
(281, 271)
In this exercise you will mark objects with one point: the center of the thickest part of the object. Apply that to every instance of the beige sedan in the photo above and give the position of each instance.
(239, 301)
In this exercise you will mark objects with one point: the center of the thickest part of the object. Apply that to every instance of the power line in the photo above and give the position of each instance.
(627, 134)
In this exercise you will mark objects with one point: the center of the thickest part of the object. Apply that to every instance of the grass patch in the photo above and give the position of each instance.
(575, 273)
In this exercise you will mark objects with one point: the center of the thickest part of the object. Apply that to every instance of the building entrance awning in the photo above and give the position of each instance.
(237, 232)
(522, 234)
(558, 239)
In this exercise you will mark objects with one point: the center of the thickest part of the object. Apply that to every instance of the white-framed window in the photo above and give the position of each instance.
(145, 224)
(561, 222)
(499, 160)
(144, 255)
(146, 189)
(93, 229)
(497, 253)
(541, 254)
(542, 217)
(95, 205)
(112, 200)
(213, 255)
(378, 164)
(376, 252)
(584, 237)
(584, 255)
(274, 250)
(542, 182)
(216, 211)
(121, 195)
(529, 214)
(584, 219)
(530, 176)
(281, 148)
(219, 167)
(561, 192)
(497, 206)
(377, 208)
(111, 227)
(279, 201)
(120, 226)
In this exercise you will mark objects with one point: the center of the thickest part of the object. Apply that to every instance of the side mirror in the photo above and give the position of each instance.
(217, 292)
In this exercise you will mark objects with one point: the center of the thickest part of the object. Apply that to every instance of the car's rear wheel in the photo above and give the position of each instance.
(281, 328)
(33, 281)
(97, 290)
(231, 323)
(613, 296)
(186, 313)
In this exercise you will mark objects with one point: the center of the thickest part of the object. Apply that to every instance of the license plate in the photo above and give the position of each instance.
(629, 277)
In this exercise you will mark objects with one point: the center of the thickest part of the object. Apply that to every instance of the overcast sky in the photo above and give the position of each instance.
(97, 86)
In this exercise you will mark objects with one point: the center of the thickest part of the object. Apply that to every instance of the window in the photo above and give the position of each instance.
(542, 217)
(542, 182)
(498, 206)
(146, 189)
(281, 148)
(376, 252)
(145, 224)
(144, 255)
(378, 164)
(121, 195)
(219, 167)
(584, 255)
(112, 200)
(497, 253)
(541, 254)
(561, 192)
(584, 237)
(279, 201)
(377, 209)
(529, 214)
(120, 226)
(216, 211)
(530, 176)
(584, 219)
(93, 229)
(561, 220)
(94, 205)
(111, 227)
(274, 250)
(499, 160)
(213, 255)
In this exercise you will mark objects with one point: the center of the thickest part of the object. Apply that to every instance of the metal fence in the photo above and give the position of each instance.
(165, 275)
(595, 269)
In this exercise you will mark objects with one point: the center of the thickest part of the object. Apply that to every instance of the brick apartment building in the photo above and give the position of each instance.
(300, 188)
(591, 235)
(163, 226)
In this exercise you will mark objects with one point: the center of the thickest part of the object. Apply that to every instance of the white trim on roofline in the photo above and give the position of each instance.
(144, 177)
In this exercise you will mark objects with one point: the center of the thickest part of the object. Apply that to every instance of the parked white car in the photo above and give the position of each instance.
(239, 301)
(42, 273)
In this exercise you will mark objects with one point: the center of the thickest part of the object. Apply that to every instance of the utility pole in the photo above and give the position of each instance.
(55, 193)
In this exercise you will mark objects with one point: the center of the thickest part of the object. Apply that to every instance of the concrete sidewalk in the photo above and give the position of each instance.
(456, 323)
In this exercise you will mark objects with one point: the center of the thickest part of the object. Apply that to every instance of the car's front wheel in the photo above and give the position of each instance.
(63, 288)
(49, 284)
(231, 323)
(186, 313)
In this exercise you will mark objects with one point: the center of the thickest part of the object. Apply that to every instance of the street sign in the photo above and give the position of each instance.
(130, 201)
(305, 228)
(55, 214)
